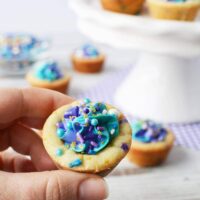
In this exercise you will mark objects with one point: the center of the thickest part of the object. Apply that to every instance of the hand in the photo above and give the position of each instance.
(21, 110)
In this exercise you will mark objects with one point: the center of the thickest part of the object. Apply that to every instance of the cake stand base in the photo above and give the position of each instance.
(162, 88)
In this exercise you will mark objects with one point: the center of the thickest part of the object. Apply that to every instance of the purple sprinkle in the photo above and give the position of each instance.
(100, 128)
(99, 136)
(93, 143)
(161, 138)
(125, 147)
(72, 112)
(90, 128)
(86, 110)
(67, 114)
(149, 133)
(87, 120)
(80, 138)
(60, 125)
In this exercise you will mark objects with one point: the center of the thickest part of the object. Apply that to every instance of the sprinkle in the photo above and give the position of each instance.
(85, 115)
(112, 131)
(125, 147)
(104, 112)
(87, 100)
(94, 122)
(73, 144)
(99, 133)
(90, 128)
(93, 143)
(100, 128)
(60, 132)
(60, 125)
(87, 120)
(59, 152)
(67, 145)
(92, 108)
(114, 112)
(91, 151)
(75, 163)
(69, 125)
(86, 110)
(81, 146)
(99, 136)
(80, 137)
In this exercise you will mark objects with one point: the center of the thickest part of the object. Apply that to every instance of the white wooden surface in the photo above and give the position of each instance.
(177, 179)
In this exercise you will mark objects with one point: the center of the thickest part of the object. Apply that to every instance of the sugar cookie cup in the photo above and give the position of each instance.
(87, 59)
(172, 10)
(61, 85)
(47, 74)
(88, 65)
(87, 137)
(124, 6)
(153, 152)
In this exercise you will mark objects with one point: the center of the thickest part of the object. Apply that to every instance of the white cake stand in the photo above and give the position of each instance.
(165, 83)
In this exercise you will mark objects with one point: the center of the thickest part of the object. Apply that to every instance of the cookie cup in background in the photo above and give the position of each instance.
(174, 10)
(88, 65)
(87, 59)
(123, 6)
(47, 74)
(150, 154)
(60, 85)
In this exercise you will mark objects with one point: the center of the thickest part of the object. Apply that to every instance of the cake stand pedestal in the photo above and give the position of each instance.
(165, 83)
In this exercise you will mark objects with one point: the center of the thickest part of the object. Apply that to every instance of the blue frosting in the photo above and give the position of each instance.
(148, 131)
(47, 70)
(88, 128)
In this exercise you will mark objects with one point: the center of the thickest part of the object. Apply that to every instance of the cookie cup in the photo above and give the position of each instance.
(88, 65)
(150, 154)
(185, 11)
(126, 7)
(60, 85)
(101, 163)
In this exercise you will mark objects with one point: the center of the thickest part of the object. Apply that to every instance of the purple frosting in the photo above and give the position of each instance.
(148, 131)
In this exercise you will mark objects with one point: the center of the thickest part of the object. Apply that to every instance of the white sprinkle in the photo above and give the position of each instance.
(112, 131)
(104, 112)
(113, 111)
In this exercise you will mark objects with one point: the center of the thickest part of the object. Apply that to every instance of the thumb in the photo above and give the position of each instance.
(54, 185)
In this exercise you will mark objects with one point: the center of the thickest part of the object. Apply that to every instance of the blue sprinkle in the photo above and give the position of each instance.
(59, 152)
(69, 125)
(75, 163)
(60, 132)
(94, 122)
(87, 100)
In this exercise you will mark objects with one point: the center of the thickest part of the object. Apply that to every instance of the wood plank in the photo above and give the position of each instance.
(177, 179)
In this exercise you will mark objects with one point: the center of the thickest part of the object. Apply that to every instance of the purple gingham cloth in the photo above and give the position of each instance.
(187, 135)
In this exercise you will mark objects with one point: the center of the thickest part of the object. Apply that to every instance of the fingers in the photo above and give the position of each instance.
(36, 123)
(29, 103)
(55, 185)
(13, 162)
(25, 141)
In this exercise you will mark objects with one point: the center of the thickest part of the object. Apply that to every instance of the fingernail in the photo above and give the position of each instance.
(93, 189)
